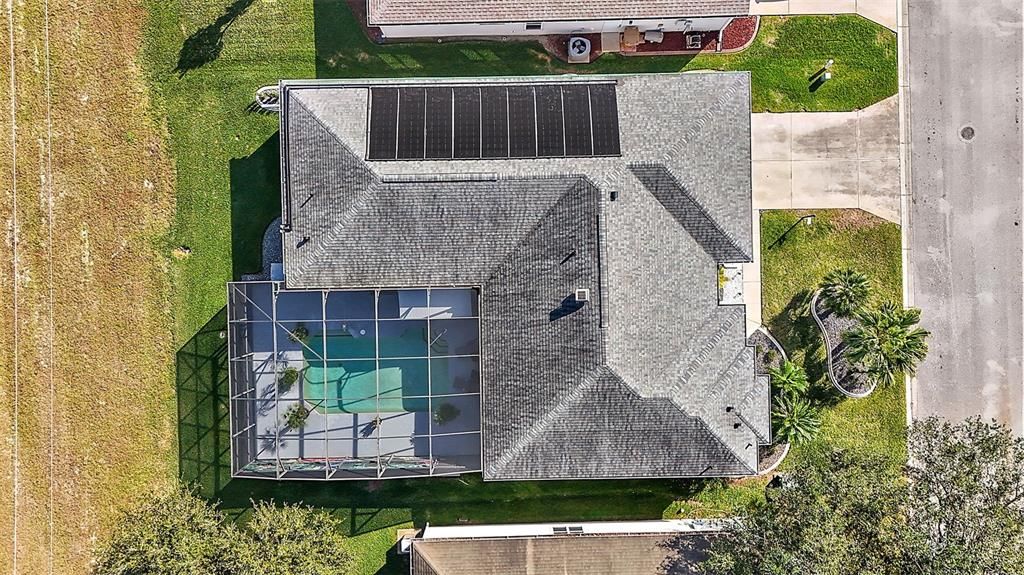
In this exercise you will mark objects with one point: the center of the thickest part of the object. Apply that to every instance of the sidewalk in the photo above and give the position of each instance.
(883, 12)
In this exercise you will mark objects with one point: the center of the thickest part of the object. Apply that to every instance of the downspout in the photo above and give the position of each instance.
(721, 33)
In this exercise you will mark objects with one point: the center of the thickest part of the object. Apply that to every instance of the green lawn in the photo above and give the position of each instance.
(790, 272)
(204, 61)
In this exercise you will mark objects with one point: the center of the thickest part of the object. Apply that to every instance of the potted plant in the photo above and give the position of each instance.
(300, 334)
(295, 416)
(287, 378)
(445, 413)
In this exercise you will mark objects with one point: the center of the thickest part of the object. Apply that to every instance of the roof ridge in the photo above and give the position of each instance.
(350, 211)
(541, 424)
(730, 252)
(578, 179)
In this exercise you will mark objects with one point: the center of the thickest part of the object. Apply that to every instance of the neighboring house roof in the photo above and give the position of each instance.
(383, 12)
(651, 377)
(639, 554)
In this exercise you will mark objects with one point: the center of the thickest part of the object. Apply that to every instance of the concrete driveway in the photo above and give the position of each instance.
(880, 11)
(965, 236)
(814, 160)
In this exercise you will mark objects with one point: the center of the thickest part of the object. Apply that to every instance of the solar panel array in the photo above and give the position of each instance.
(493, 121)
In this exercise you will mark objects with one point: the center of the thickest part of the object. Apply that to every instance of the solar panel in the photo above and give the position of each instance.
(550, 135)
(410, 123)
(605, 115)
(493, 121)
(383, 123)
(576, 114)
(467, 123)
(439, 123)
(522, 122)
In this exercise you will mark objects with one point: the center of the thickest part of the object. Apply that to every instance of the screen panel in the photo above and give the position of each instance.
(576, 114)
(522, 122)
(383, 123)
(467, 123)
(605, 117)
(439, 123)
(494, 122)
(410, 123)
(550, 133)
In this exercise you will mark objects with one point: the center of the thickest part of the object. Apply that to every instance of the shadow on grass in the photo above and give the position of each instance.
(255, 203)
(795, 329)
(205, 44)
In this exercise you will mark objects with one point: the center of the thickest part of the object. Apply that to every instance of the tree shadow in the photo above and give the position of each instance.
(205, 44)
(684, 553)
(255, 203)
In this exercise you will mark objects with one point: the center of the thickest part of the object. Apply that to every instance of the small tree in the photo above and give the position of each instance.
(287, 378)
(295, 416)
(789, 378)
(886, 342)
(844, 291)
(794, 419)
(169, 534)
(966, 496)
(292, 540)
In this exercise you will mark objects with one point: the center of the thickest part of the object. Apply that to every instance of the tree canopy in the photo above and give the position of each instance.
(179, 533)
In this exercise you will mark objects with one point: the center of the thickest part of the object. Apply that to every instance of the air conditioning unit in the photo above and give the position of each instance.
(582, 294)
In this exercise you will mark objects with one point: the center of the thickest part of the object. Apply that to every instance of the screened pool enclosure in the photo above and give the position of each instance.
(348, 384)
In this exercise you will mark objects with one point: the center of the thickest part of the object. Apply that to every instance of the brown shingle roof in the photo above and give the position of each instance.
(570, 555)
(382, 12)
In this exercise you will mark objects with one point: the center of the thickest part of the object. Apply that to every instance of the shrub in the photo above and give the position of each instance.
(445, 413)
(287, 378)
(295, 416)
(794, 419)
(886, 343)
(789, 378)
(300, 334)
(844, 291)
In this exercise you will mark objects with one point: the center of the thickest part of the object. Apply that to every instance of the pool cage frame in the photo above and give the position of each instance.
(245, 398)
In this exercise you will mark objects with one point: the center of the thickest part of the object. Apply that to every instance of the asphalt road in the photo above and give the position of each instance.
(965, 237)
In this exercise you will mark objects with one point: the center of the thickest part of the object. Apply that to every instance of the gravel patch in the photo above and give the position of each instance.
(844, 375)
(770, 456)
(273, 252)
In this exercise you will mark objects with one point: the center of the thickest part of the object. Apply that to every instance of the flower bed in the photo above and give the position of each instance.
(739, 33)
(848, 380)
(764, 346)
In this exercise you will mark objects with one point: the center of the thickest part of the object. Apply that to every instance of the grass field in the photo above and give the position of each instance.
(791, 271)
(94, 189)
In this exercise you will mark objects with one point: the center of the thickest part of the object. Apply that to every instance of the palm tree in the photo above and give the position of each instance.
(886, 342)
(844, 291)
(794, 419)
(789, 378)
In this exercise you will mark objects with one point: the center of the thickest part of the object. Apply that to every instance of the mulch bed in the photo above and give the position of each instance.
(849, 379)
(769, 455)
(358, 8)
(764, 361)
(739, 33)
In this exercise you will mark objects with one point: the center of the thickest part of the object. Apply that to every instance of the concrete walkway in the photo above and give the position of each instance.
(820, 160)
(883, 12)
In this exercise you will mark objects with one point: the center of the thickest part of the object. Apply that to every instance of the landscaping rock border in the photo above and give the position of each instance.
(764, 339)
(769, 457)
(849, 382)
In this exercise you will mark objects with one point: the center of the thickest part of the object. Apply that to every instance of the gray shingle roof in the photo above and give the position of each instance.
(651, 377)
(383, 12)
